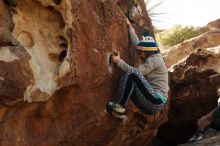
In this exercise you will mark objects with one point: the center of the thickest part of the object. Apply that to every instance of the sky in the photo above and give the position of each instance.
(186, 12)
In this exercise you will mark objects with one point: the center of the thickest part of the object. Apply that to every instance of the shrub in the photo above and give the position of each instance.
(176, 35)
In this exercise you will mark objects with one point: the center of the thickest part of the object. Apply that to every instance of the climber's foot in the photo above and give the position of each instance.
(196, 137)
(117, 110)
(199, 134)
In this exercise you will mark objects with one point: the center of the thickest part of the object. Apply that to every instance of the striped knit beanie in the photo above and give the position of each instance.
(147, 43)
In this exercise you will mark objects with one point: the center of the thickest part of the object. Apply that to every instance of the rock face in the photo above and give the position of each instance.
(15, 73)
(61, 68)
(206, 40)
(195, 82)
(43, 32)
(214, 25)
(6, 26)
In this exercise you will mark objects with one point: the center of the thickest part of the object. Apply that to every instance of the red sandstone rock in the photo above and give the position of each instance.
(194, 84)
(15, 73)
(214, 25)
(65, 66)
(6, 26)
(178, 52)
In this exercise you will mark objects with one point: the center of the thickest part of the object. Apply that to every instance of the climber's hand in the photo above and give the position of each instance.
(130, 27)
(128, 22)
(204, 122)
(115, 58)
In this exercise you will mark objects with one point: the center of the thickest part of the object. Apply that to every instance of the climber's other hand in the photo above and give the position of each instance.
(128, 22)
(115, 58)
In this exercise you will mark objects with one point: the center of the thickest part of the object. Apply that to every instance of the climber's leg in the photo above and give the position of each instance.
(148, 101)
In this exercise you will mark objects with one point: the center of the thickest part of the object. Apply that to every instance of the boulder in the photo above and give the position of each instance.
(214, 25)
(195, 82)
(61, 76)
(176, 53)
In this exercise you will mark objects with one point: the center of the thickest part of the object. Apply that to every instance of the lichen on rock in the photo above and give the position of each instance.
(42, 32)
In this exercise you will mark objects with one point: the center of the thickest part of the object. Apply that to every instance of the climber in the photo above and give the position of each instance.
(147, 84)
(212, 117)
(210, 120)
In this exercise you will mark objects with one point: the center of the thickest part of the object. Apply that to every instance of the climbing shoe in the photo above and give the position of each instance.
(196, 137)
(116, 110)
(199, 134)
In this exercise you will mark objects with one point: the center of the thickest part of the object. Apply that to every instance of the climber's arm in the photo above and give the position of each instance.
(120, 63)
(208, 119)
(133, 36)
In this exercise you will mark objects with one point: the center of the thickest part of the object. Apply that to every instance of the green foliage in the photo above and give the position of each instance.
(176, 35)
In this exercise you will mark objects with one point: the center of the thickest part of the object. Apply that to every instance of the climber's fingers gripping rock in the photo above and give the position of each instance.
(128, 22)
(115, 57)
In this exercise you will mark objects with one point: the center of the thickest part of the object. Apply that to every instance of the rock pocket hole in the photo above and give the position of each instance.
(64, 46)
(62, 55)
(10, 2)
(53, 57)
(62, 39)
(57, 2)
(58, 57)
(63, 43)
(56, 18)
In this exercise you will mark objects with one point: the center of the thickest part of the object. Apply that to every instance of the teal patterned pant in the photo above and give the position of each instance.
(135, 85)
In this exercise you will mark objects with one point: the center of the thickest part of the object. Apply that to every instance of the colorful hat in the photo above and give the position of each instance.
(147, 43)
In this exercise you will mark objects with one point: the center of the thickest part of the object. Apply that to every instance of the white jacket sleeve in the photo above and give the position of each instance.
(144, 68)
(133, 36)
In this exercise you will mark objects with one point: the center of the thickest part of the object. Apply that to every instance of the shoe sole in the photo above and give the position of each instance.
(118, 115)
(117, 110)
(121, 110)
